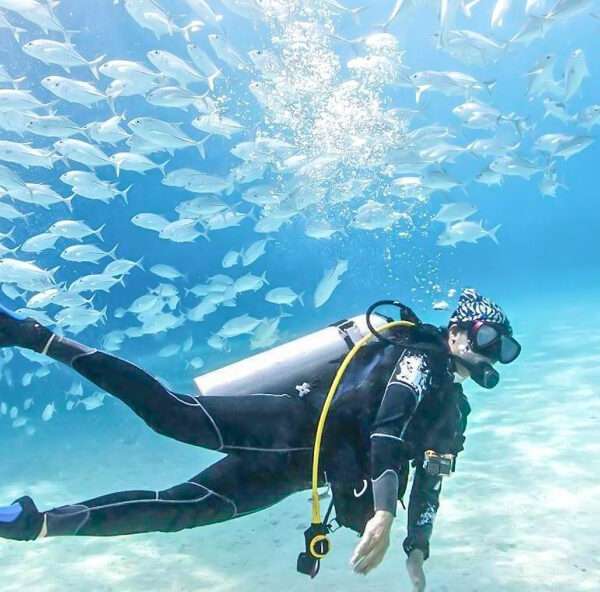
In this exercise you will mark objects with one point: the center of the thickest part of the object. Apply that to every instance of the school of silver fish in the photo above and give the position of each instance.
(331, 150)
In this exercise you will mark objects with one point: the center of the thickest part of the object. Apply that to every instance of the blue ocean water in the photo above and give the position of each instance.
(521, 511)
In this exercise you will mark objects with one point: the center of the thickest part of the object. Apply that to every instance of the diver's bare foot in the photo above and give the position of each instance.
(414, 567)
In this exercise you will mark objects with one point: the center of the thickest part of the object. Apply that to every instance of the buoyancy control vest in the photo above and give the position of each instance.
(438, 425)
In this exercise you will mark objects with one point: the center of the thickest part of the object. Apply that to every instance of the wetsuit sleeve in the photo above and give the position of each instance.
(409, 383)
(422, 510)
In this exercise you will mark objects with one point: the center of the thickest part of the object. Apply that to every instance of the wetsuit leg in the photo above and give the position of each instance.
(422, 509)
(237, 485)
(277, 423)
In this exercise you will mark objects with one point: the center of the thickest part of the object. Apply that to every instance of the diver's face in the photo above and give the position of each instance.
(459, 343)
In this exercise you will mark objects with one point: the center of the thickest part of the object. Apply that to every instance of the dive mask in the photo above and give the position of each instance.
(493, 342)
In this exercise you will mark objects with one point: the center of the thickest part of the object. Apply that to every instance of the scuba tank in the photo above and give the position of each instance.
(293, 367)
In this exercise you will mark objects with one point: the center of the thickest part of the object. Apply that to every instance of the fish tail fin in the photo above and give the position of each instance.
(193, 27)
(98, 232)
(51, 104)
(200, 146)
(355, 13)
(10, 234)
(111, 103)
(124, 193)
(85, 134)
(139, 265)
(113, 252)
(162, 166)
(301, 298)
(68, 201)
(210, 81)
(420, 91)
(264, 278)
(93, 64)
(489, 85)
(67, 33)
(17, 32)
(18, 81)
(492, 233)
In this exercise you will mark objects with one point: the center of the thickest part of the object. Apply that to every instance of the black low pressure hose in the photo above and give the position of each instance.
(406, 314)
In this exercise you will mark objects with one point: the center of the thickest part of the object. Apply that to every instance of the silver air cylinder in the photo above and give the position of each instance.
(292, 367)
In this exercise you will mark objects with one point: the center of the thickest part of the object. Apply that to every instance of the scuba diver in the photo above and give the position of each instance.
(400, 401)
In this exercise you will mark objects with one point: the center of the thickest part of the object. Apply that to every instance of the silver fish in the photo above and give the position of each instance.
(19, 100)
(173, 96)
(242, 325)
(226, 52)
(150, 221)
(174, 67)
(26, 156)
(329, 282)
(164, 133)
(61, 54)
(82, 152)
(284, 296)
(466, 231)
(53, 126)
(576, 71)
(73, 91)
(75, 229)
(108, 131)
(39, 243)
(87, 254)
(181, 231)
(129, 161)
(454, 212)
(217, 124)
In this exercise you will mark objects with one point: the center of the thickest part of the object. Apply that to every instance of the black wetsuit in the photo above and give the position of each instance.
(394, 403)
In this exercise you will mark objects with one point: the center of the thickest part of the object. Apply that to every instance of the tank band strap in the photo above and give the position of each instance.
(343, 327)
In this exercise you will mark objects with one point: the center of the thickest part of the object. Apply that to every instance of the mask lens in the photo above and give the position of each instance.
(485, 336)
(509, 350)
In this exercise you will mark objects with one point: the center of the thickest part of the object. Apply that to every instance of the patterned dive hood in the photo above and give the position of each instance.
(472, 306)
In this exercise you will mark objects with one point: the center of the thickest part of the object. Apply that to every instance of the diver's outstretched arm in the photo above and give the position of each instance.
(234, 486)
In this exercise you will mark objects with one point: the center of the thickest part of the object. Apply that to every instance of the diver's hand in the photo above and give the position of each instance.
(414, 567)
(374, 543)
